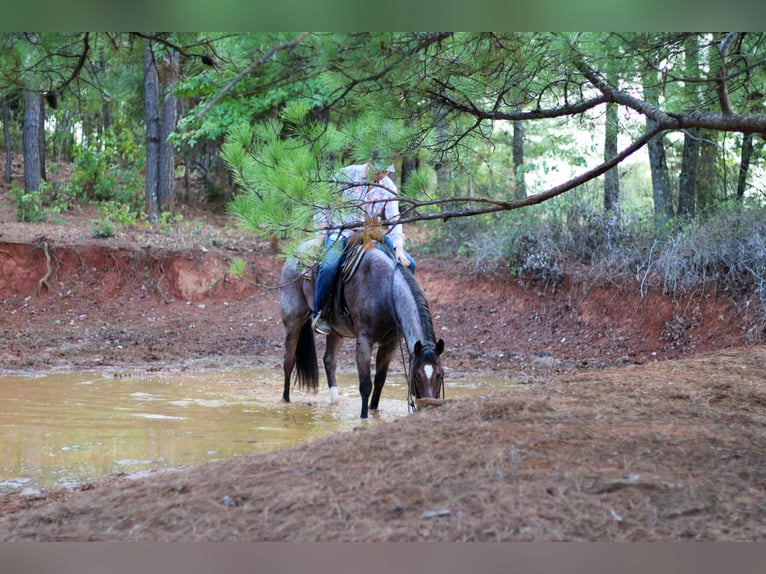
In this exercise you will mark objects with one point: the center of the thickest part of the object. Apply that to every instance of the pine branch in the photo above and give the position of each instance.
(259, 62)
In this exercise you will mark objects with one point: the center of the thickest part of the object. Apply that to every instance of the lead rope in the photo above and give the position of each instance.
(411, 407)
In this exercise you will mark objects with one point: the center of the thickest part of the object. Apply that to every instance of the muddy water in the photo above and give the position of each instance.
(60, 430)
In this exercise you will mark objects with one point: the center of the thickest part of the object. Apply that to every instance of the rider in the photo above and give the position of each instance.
(367, 187)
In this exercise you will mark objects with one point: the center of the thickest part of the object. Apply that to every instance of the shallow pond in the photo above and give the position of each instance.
(62, 429)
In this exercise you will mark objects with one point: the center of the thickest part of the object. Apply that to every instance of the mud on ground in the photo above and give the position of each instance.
(638, 417)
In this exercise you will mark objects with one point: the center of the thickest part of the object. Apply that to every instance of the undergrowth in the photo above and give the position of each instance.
(541, 245)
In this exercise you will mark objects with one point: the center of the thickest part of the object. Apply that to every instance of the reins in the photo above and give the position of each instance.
(411, 406)
(407, 365)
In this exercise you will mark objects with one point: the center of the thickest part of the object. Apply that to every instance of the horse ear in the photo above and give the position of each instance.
(440, 346)
(418, 348)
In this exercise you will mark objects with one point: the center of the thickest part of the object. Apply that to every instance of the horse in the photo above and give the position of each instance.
(382, 302)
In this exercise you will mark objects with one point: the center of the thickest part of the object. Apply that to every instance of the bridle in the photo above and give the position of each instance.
(411, 406)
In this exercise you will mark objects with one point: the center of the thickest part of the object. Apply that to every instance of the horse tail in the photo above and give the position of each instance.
(307, 372)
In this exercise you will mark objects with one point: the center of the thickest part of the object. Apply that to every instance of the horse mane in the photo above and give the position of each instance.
(372, 231)
(424, 311)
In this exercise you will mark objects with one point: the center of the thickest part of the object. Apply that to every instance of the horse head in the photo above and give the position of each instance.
(426, 372)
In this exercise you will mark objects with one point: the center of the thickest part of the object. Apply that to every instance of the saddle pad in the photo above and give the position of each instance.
(351, 262)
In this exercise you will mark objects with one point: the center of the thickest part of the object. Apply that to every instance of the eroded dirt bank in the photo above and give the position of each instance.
(110, 305)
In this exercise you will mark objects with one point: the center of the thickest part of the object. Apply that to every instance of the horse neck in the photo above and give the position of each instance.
(411, 309)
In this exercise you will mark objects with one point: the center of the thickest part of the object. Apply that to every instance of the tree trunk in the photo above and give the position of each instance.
(41, 138)
(519, 179)
(152, 115)
(6, 115)
(744, 164)
(611, 177)
(707, 173)
(443, 168)
(168, 121)
(687, 181)
(663, 200)
(161, 117)
(34, 156)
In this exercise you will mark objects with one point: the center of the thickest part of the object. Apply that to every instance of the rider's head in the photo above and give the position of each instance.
(378, 167)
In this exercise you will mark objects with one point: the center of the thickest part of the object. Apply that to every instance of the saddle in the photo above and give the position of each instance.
(336, 309)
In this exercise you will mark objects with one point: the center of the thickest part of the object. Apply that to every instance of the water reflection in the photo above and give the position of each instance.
(60, 430)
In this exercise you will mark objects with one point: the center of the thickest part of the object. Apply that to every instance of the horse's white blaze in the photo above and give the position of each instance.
(333, 395)
(429, 371)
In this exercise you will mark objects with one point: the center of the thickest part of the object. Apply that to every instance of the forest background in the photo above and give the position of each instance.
(623, 157)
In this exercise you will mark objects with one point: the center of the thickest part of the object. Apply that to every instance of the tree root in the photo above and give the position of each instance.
(43, 282)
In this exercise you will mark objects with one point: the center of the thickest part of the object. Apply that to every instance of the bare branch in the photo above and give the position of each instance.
(493, 205)
(538, 114)
(727, 121)
(80, 63)
(722, 89)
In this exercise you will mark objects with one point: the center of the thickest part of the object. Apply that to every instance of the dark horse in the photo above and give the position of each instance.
(384, 302)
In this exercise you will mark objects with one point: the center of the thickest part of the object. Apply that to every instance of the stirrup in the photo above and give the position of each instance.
(320, 325)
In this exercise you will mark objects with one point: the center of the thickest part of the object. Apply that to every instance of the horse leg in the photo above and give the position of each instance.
(382, 362)
(291, 344)
(363, 357)
(332, 346)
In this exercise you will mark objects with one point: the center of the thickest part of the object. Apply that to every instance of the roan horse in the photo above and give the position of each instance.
(383, 302)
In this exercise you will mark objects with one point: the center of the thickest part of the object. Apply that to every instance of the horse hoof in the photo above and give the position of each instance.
(284, 400)
(334, 398)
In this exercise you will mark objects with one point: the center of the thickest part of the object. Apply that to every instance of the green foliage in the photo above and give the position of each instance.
(121, 213)
(108, 169)
(253, 96)
(29, 206)
(237, 267)
(168, 220)
(102, 228)
(283, 177)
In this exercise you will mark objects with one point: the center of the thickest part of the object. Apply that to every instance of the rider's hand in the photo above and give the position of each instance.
(401, 257)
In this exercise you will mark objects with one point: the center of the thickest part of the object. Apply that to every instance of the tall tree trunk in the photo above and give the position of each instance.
(611, 177)
(41, 138)
(519, 179)
(663, 199)
(161, 117)
(707, 173)
(168, 121)
(34, 154)
(152, 115)
(443, 168)
(744, 164)
(687, 181)
(6, 115)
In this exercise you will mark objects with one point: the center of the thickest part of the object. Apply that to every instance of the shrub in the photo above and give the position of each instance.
(108, 169)
(102, 228)
(728, 247)
(29, 206)
(237, 267)
(121, 213)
